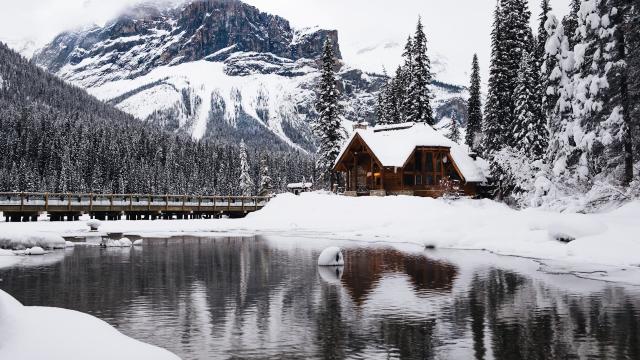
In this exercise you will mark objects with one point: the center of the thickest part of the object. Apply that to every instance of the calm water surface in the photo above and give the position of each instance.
(258, 298)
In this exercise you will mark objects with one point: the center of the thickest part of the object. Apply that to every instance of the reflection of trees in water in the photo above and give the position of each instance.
(246, 299)
(410, 339)
(528, 320)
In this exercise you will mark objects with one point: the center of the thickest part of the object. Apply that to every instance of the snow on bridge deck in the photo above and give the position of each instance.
(28, 206)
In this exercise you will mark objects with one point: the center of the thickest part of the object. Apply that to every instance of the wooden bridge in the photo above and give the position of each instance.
(24, 207)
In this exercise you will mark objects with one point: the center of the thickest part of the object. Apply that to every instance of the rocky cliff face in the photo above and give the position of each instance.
(217, 69)
(146, 37)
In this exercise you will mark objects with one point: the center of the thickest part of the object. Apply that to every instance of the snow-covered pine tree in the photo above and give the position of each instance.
(540, 68)
(327, 127)
(454, 129)
(266, 183)
(382, 111)
(404, 78)
(530, 131)
(510, 38)
(246, 183)
(381, 118)
(589, 87)
(570, 22)
(542, 31)
(419, 93)
(397, 95)
(617, 126)
(561, 153)
(496, 110)
(633, 70)
(474, 124)
(550, 69)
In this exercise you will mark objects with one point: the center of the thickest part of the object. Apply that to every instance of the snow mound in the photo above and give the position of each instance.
(331, 256)
(138, 242)
(70, 244)
(94, 224)
(604, 238)
(65, 334)
(36, 250)
(124, 242)
(21, 241)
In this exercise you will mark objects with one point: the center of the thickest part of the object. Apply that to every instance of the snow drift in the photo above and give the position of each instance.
(49, 333)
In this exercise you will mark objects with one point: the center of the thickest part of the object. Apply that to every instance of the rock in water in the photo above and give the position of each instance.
(331, 257)
(36, 250)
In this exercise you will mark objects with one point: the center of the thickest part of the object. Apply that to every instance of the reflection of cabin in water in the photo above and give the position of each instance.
(365, 268)
(406, 159)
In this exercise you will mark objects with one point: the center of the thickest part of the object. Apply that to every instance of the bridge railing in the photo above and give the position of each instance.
(117, 202)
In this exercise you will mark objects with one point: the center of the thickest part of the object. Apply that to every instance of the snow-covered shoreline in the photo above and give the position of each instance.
(606, 238)
(31, 332)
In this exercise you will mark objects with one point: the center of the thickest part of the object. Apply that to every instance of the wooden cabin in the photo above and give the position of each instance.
(406, 159)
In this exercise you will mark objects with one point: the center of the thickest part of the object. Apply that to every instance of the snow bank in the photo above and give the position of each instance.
(23, 240)
(50, 333)
(36, 250)
(124, 242)
(603, 238)
(609, 238)
(8, 258)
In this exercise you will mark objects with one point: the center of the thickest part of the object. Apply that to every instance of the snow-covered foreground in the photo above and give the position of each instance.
(610, 239)
(50, 333)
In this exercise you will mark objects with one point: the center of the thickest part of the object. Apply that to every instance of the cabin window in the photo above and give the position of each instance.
(409, 180)
(418, 180)
(451, 171)
(429, 162)
(429, 180)
(438, 162)
(418, 160)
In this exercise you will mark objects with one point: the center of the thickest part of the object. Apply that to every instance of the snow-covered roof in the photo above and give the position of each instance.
(393, 144)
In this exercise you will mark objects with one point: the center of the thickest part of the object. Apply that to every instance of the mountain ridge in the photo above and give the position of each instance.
(256, 74)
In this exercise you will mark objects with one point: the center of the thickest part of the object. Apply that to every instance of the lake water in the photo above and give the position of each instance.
(265, 298)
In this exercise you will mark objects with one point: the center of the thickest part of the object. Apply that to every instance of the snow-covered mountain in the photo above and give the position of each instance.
(216, 69)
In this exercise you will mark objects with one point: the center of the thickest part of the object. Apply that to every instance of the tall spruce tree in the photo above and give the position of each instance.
(633, 71)
(511, 38)
(419, 93)
(618, 126)
(246, 183)
(545, 9)
(266, 182)
(403, 81)
(496, 110)
(474, 124)
(328, 127)
(530, 131)
(570, 22)
(454, 129)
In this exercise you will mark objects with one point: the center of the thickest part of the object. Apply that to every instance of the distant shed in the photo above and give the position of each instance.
(298, 188)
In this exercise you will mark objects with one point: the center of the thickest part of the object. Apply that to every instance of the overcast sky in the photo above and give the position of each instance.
(372, 32)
